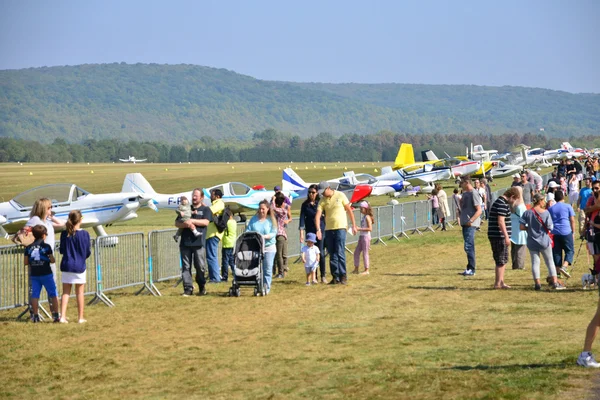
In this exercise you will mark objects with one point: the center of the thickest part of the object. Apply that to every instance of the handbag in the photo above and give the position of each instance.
(550, 234)
(24, 237)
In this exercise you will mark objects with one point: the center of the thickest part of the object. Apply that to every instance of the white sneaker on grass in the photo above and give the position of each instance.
(586, 359)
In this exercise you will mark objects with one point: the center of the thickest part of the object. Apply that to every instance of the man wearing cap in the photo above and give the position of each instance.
(277, 189)
(516, 180)
(584, 195)
(336, 206)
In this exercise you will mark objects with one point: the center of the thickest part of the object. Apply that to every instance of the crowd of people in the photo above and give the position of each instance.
(527, 216)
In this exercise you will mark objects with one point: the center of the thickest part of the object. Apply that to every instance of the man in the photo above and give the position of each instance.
(535, 179)
(528, 190)
(499, 231)
(191, 247)
(333, 203)
(584, 195)
(213, 237)
(563, 219)
(470, 205)
(591, 210)
(277, 189)
(516, 180)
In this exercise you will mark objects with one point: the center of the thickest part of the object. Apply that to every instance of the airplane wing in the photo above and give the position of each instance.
(120, 159)
(142, 160)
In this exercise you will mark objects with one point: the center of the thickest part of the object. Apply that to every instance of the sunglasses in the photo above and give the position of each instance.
(312, 192)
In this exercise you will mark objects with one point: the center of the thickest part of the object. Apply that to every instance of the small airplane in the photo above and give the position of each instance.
(378, 185)
(520, 156)
(417, 173)
(131, 159)
(355, 192)
(459, 167)
(238, 196)
(97, 209)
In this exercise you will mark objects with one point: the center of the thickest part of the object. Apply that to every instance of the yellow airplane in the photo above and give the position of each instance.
(458, 166)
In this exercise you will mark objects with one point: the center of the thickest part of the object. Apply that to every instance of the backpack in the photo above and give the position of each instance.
(220, 221)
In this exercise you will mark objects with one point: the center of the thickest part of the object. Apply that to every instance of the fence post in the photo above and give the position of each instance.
(99, 296)
(148, 279)
(430, 216)
(416, 230)
(379, 240)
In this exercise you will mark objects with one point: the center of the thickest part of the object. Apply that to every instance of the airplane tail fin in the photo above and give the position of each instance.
(137, 183)
(429, 155)
(405, 156)
(292, 182)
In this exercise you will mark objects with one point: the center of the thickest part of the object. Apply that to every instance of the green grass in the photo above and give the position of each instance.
(412, 329)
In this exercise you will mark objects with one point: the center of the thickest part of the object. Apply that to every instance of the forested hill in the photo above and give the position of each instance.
(181, 103)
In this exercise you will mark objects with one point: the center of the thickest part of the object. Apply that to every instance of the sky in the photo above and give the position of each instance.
(552, 44)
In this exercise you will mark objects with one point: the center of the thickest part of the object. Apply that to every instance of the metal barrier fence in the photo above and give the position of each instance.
(120, 261)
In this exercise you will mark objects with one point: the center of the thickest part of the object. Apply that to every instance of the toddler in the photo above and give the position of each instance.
(184, 213)
(311, 256)
(38, 256)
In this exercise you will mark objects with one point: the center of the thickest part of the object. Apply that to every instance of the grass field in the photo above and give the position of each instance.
(412, 329)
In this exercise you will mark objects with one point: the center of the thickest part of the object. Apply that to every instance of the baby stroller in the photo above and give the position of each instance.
(248, 257)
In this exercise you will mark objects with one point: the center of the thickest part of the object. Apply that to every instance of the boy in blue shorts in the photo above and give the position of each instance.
(38, 256)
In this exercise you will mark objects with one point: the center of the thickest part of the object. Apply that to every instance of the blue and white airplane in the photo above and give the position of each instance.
(238, 196)
(97, 209)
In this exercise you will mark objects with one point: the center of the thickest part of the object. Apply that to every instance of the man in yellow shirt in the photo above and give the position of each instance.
(213, 237)
(336, 206)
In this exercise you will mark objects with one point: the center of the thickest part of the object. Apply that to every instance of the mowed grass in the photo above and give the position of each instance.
(412, 329)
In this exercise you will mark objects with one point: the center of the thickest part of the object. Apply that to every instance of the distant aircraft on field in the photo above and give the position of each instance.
(131, 159)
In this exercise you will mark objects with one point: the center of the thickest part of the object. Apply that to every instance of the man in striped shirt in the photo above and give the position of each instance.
(499, 233)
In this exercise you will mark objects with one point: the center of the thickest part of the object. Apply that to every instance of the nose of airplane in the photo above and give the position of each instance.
(360, 192)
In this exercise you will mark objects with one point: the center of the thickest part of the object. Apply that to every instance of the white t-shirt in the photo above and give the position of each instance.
(33, 221)
(481, 192)
(310, 255)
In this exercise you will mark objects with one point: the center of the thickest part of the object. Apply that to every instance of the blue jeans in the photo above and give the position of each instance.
(335, 240)
(268, 270)
(563, 243)
(212, 260)
(469, 239)
(226, 262)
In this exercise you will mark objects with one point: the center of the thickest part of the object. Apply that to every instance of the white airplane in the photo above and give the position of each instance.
(355, 192)
(97, 209)
(378, 185)
(521, 157)
(238, 196)
(459, 167)
(131, 159)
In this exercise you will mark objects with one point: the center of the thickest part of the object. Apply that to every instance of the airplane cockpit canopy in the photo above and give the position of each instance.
(60, 193)
(238, 188)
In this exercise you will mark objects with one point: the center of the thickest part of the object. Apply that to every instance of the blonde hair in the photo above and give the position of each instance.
(519, 197)
(40, 208)
(74, 219)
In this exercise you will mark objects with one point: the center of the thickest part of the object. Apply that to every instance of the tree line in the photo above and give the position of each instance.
(271, 145)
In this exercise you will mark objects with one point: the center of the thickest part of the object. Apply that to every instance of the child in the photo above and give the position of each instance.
(38, 256)
(227, 260)
(75, 249)
(184, 213)
(364, 240)
(311, 256)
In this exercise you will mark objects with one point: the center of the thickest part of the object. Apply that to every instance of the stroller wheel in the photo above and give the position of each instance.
(256, 291)
(237, 292)
(230, 292)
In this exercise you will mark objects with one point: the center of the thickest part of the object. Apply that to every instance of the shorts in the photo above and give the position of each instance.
(593, 248)
(308, 270)
(499, 250)
(46, 281)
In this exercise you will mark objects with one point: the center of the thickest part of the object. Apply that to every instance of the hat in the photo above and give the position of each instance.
(364, 204)
(553, 184)
(311, 237)
(516, 176)
(277, 188)
(549, 197)
(323, 185)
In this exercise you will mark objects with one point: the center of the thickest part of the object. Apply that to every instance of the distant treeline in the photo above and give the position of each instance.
(178, 104)
(273, 146)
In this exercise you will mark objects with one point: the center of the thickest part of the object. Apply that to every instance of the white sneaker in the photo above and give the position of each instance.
(586, 359)
(82, 321)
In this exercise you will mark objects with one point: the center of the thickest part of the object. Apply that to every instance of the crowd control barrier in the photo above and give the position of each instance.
(122, 261)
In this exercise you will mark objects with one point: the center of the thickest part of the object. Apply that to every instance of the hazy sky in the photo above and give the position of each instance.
(536, 43)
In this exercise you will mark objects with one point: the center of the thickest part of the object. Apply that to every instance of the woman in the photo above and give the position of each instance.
(41, 214)
(518, 238)
(283, 215)
(264, 223)
(307, 225)
(443, 209)
(435, 205)
(537, 223)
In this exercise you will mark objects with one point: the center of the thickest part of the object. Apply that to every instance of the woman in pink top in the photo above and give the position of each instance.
(283, 215)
